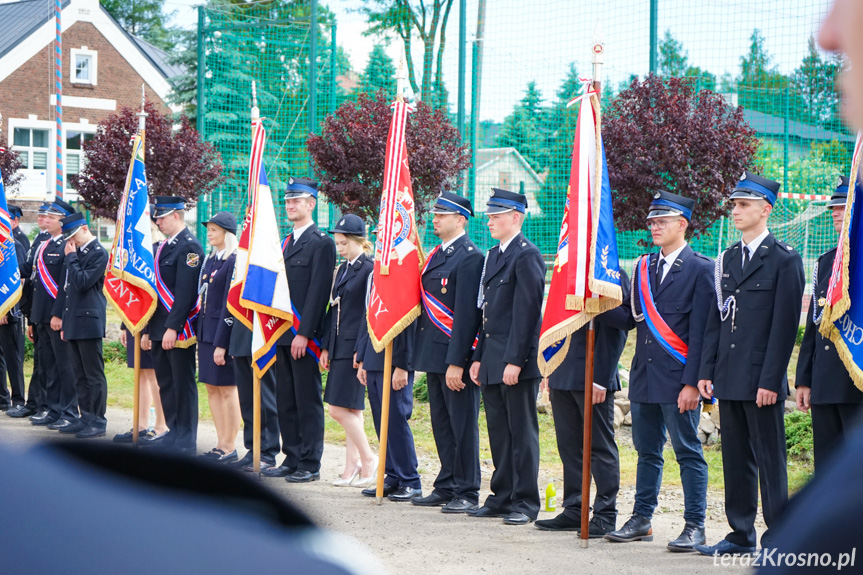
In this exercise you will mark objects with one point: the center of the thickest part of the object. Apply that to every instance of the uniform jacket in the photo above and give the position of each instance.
(179, 265)
(84, 312)
(44, 306)
(344, 319)
(452, 277)
(769, 297)
(819, 366)
(20, 236)
(309, 263)
(27, 275)
(216, 276)
(513, 287)
(608, 345)
(683, 299)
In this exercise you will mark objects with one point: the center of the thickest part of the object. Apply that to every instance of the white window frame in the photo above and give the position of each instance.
(34, 187)
(94, 65)
(69, 191)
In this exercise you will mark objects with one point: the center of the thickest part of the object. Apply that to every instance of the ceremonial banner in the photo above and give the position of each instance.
(585, 279)
(396, 291)
(842, 319)
(130, 280)
(259, 295)
(10, 274)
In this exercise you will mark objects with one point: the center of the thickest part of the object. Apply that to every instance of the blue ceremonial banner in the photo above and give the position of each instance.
(842, 319)
(130, 280)
(10, 275)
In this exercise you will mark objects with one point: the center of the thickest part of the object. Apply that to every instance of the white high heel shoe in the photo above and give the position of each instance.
(364, 482)
(342, 482)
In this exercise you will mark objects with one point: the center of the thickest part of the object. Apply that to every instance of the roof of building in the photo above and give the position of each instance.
(487, 156)
(765, 124)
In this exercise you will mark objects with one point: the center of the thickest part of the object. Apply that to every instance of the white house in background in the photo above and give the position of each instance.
(103, 69)
(505, 168)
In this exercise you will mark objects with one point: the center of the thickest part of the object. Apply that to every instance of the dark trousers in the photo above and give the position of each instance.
(650, 421)
(568, 407)
(454, 416)
(12, 362)
(36, 396)
(60, 385)
(269, 414)
(513, 434)
(831, 423)
(175, 373)
(88, 369)
(401, 463)
(299, 397)
(753, 452)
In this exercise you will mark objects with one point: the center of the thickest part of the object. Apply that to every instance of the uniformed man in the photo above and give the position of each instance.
(747, 344)
(566, 392)
(823, 383)
(670, 300)
(15, 214)
(310, 258)
(171, 332)
(35, 405)
(12, 346)
(444, 347)
(84, 324)
(505, 360)
(49, 295)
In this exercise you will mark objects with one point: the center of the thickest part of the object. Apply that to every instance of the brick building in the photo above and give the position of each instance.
(103, 70)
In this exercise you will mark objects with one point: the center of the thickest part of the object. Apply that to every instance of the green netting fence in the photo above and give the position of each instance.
(522, 61)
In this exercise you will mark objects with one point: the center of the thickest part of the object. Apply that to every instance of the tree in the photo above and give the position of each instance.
(380, 73)
(662, 134)
(428, 20)
(184, 86)
(703, 79)
(142, 18)
(349, 154)
(525, 129)
(761, 86)
(815, 82)
(10, 166)
(178, 163)
(673, 59)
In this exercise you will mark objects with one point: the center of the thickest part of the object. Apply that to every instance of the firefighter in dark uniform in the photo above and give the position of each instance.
(310, 258)
(35, 405)
(747, 345)
(444, 348)
(671, 297)
(49, 295)
(12, 343)
(566, 392)
(823, 384)
(505, 360)
(84, 324)
(15, 214)
(170, 333)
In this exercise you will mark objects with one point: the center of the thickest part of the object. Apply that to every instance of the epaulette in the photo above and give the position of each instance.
(700, 255)
(787, 247)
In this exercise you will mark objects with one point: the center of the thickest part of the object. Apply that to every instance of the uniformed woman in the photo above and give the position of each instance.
(215, 368)
(344, 393)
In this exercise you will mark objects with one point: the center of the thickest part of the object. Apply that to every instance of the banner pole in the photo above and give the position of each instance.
(136, 405)
(256, 422)
(385, 421)
(588, 428)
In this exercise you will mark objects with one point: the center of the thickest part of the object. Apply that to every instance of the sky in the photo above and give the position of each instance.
(536, 40)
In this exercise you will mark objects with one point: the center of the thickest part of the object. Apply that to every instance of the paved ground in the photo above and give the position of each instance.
(408, 539)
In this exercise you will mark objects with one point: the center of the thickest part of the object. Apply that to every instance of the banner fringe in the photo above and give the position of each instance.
(400, 326)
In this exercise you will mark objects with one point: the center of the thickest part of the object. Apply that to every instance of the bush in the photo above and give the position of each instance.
(800, 331)
(798, 435)
(421, 388)
(113, 351)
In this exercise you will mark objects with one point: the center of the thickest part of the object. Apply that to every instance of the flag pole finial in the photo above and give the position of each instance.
(401, 78)
(598, 51)
(256, 113)
(142, 115)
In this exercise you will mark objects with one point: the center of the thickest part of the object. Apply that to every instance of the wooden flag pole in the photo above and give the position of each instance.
(588, 429)
(385, 421)
(136, 400)
(256, 422)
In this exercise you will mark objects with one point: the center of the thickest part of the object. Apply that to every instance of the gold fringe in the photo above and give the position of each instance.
(134, 328)
(846, 357)
(11, 301)
(384, 270)
(574, 302)
(187, 343)
(276, 335)
(547, 368)
(561, 331)
(267, 310)
(241, 316)
(400, 326)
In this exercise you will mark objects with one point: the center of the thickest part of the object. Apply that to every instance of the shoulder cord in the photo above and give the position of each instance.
(729, 306)
(638, 317)
(816, 316)
(480, 298)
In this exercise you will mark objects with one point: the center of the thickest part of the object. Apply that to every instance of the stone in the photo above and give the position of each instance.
(623, 404)
(706, 424)
(702, 437)
(790, 406)
(622, 394)
(627, 421)
(618, 417)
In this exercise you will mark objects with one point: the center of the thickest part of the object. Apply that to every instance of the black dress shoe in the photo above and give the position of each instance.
(91, 432)
(38, 414)
(156, 441)
(599, 528)
(73, 427)
(405, 493)
(5, 407)
(560, 523)
(280, 471)
(21, 411)
(724, 547)
(517, 518)
(265, 465)
(433, 499)
(636, 529)
(303, 476)
(46, 419)
(691, 536)
(486, 512)
(244, 461)
(226, 458)
(61, 424)
(373, 491)
(456, 506)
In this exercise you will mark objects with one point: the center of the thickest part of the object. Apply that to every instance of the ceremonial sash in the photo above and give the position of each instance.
(44, 275)
(287, 239)
(439, 314)
(314, 345)
(669, 340)
(167, 298)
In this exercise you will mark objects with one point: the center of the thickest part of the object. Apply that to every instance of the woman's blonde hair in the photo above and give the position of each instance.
(364, 243)
(231, 243)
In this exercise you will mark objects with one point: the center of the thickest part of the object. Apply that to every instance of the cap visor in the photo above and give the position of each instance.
(498, 210)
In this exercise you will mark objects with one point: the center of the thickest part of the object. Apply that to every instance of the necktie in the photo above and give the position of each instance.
(290, 241)
(745, 256)
(659, 274)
